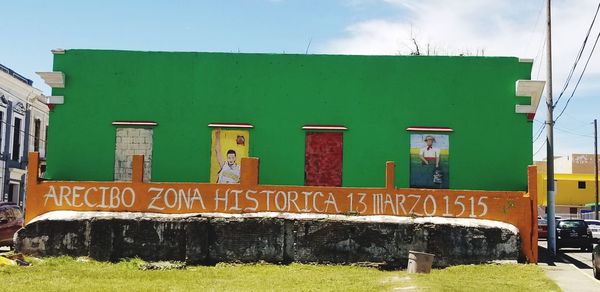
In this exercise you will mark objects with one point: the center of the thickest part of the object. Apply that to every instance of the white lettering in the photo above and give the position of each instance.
(236, 193)
(76, 196)
(250, 198)
(431, 199)
(268, 193)
(331, 201)
(292, 200)
(131, 195)
(314, 201)
(219, 198)
(411, 212)
(51, 194)
(197, 197)
(103, 202)
(65, 192)
(306, 204)
(389, 201)
(155, 198)
(85, 197)
(401, 203)
(277, 196)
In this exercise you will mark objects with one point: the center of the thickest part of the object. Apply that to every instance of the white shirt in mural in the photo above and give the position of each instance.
(430, 153)
(229, 174)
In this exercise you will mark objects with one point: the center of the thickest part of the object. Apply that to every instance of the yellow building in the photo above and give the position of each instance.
(573, 190)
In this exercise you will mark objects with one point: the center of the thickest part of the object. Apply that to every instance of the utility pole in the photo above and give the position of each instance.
(596, 163)
(550, 140)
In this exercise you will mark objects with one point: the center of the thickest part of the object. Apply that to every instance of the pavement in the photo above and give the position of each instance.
(568, 272)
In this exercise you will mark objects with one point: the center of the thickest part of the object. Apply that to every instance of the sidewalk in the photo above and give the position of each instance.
(566, 275)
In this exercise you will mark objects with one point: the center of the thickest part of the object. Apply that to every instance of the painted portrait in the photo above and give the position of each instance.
(429, 161)
(227, 149)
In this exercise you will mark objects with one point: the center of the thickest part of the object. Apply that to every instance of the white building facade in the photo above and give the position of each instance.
(23, 128)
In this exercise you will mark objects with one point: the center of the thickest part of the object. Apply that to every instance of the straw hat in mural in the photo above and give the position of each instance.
(428, 137)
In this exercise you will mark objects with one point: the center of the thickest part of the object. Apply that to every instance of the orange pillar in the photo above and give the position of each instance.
(249, 171)
(390, 175)
(137, 172)
(533, 197)
(33, 200)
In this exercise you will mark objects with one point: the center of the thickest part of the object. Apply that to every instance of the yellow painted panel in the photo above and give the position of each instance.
(417, 151)
(236, 140)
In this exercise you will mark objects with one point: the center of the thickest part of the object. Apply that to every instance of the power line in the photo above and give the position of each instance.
(537, 21)
(573, 133)
(541, 146)
(543, 52)
(22, 131)
(580, 77)
(539, 134)
(578, 57)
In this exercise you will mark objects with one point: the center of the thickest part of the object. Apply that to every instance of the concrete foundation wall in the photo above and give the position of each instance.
(209, 240)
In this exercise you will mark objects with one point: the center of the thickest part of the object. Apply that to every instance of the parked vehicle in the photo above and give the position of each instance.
(542, 228)
(573, 233)
(594, 226)
(596, 261)
(11, 220)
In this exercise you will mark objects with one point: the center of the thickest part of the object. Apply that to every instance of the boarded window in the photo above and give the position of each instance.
(132, 141)
(323, 159)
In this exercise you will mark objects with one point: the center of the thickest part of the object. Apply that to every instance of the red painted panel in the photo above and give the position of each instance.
(323, 159)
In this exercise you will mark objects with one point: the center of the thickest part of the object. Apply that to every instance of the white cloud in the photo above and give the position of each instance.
(499, 28)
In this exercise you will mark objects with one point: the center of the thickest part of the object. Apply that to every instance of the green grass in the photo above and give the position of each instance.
(513, 277)
(68, 274)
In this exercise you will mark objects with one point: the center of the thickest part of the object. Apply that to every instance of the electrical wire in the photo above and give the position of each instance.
(579, 79)
(32, 136)
(539, 134)
(536, 152)
(578, 57)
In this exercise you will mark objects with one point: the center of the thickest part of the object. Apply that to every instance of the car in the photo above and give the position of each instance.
(11, 220)
(573, 233)
(596, 261)
(594, 226)
(542, 228)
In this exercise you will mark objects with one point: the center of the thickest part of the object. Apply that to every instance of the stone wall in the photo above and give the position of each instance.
(132, 141)
(275, 239)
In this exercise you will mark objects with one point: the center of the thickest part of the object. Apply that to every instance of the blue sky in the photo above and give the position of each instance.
(29, 29)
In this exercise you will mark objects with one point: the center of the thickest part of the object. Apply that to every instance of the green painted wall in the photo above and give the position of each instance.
(376, 97)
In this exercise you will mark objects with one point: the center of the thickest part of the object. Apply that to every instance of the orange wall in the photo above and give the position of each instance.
(516, 208)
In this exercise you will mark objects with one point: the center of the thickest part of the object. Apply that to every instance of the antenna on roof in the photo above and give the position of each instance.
(307, 47)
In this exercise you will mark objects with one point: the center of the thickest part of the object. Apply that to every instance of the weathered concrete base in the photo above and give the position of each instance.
(270, 237)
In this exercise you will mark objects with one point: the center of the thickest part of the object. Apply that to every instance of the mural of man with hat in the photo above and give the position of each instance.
(430, 154)
(429, 161)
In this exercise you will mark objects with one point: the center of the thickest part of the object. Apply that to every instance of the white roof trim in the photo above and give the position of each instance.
(525, 60)
(530, 88)
(58, 51)
(324, 127)
(229, 125)
(55, 100)
(430, 129)
(53, 79)
(134, 123)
